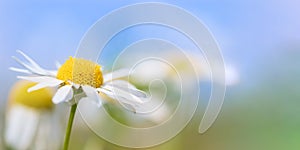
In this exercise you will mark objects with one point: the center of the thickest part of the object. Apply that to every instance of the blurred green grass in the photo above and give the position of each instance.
(261, 118)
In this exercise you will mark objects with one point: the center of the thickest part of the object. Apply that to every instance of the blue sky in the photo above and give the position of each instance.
(250, 33)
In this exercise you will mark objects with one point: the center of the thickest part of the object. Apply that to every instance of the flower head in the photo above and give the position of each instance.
(81, 71)
(30, 122)
(39, 99)
(79, 75)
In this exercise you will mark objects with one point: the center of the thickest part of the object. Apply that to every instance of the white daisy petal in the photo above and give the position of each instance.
(29, 67)
(19, 119)
(50, 83)
(128, 106)
(121, 83)
(111, 95)
(42, 82)
(30, 127)
(39, 78)
(20, 70)
(33, 66)
(92, 94)
(99, 104)
(32, 62)
(128, 87)
(121, 95)
(64, 93)
(116, 75)
(52, 73)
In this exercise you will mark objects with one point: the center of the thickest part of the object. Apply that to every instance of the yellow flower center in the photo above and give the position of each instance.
(81, 71)
(39, 99)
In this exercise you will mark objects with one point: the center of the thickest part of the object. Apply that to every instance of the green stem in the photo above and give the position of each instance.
(69, 127)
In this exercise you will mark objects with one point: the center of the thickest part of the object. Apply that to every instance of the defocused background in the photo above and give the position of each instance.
(260, 41)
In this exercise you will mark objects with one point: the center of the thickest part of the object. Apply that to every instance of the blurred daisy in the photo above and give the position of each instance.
(189, 62)
(30, 119)
(78, 75)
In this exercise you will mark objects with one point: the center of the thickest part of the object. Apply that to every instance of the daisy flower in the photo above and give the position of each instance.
(78, 75)
(30, 119)
(79, 79)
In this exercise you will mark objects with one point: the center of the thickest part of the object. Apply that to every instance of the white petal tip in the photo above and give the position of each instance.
(63, 94)
(201, 130)
(23, 77)
(55, 102)
(33, 88)
(99, 104)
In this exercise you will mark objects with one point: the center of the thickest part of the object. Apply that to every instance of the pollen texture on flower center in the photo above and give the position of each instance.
(81, 71)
